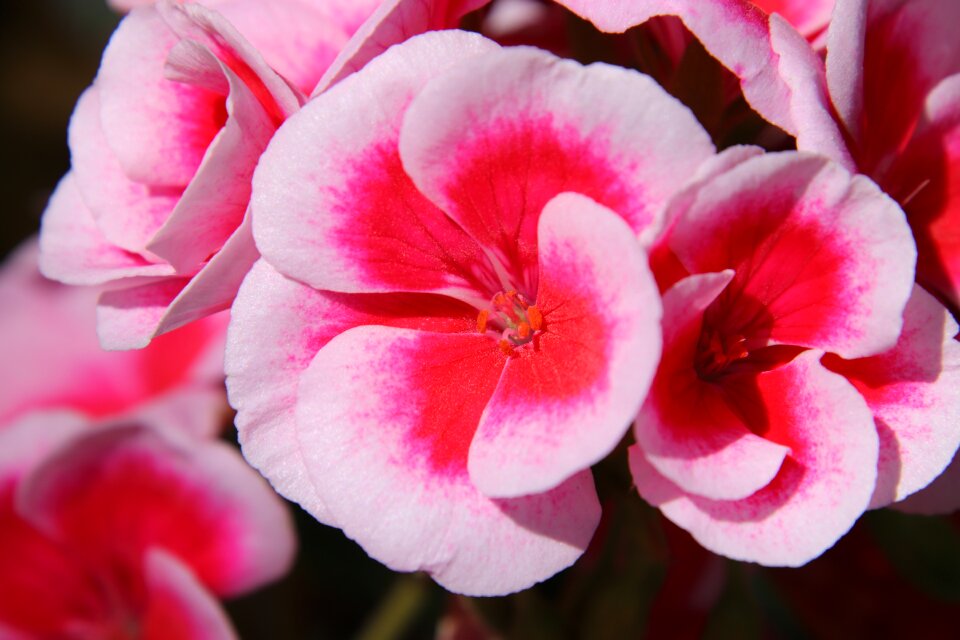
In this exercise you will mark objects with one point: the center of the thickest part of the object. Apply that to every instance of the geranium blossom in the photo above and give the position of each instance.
(54, 363)
(460, 339)
(748, 439)
(163, 147)
(126, 532)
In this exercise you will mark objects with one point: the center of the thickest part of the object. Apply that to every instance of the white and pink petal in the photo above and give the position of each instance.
(823, 259)
(912, 392)
(822, 488)
(407, 403)
(332, 204)
(493, 139)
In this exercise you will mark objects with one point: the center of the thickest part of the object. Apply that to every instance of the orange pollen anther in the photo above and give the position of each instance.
(535, 318)
(482, 319)
(523, 331)
(516, 319)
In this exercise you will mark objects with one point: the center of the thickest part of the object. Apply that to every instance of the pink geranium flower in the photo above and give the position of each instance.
(163, 149)
(439, 341)
(125, 532)
(886, 105)
(752, 439)
(53, 362)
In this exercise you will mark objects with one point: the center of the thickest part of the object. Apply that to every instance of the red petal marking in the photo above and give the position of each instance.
(790, 284)
(398, 232)
(337, 312)
(451, 380)
(507, 173)
(809, 17)
(43, 588)
(894, 87)
(574, 338)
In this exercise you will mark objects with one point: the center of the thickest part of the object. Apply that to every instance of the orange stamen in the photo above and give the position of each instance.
(523, 331)
(506, 347)
(482, 319)
(535, 318)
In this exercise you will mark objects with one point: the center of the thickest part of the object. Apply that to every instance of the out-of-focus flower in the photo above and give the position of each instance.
(53, 362)
(752, 439)
(163, 149)
(443, 406)
(129, 532)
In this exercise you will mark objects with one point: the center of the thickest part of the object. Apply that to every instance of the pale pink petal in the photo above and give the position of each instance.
(405, 404)
(565, 401)
(686, 429)
(941, 496)
(128, 213)
(735, 32)
(214, 204)
(74, 250)
(684, 198)
(296, 38)
(215, 286)
(193, 21)
(348, 14)
(195, 499)
(131, 317)
(128, 318)
(49, 329)
(277, 327)
(844, 67)
(823, 259)
(30, 438)
(393, 22)
(332, 205)
(925, 179)
(494, 139)
(802, 70)
(823, 487)
(912, 391)
(159, 129)
(198, 411)
(178, 605)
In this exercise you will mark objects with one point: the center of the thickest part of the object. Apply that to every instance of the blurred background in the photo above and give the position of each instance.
(893, 576)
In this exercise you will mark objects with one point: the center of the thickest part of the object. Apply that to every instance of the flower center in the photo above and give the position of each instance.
(717, 352)
(512, 315)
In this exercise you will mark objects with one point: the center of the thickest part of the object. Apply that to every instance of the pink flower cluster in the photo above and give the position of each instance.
(461, 272)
